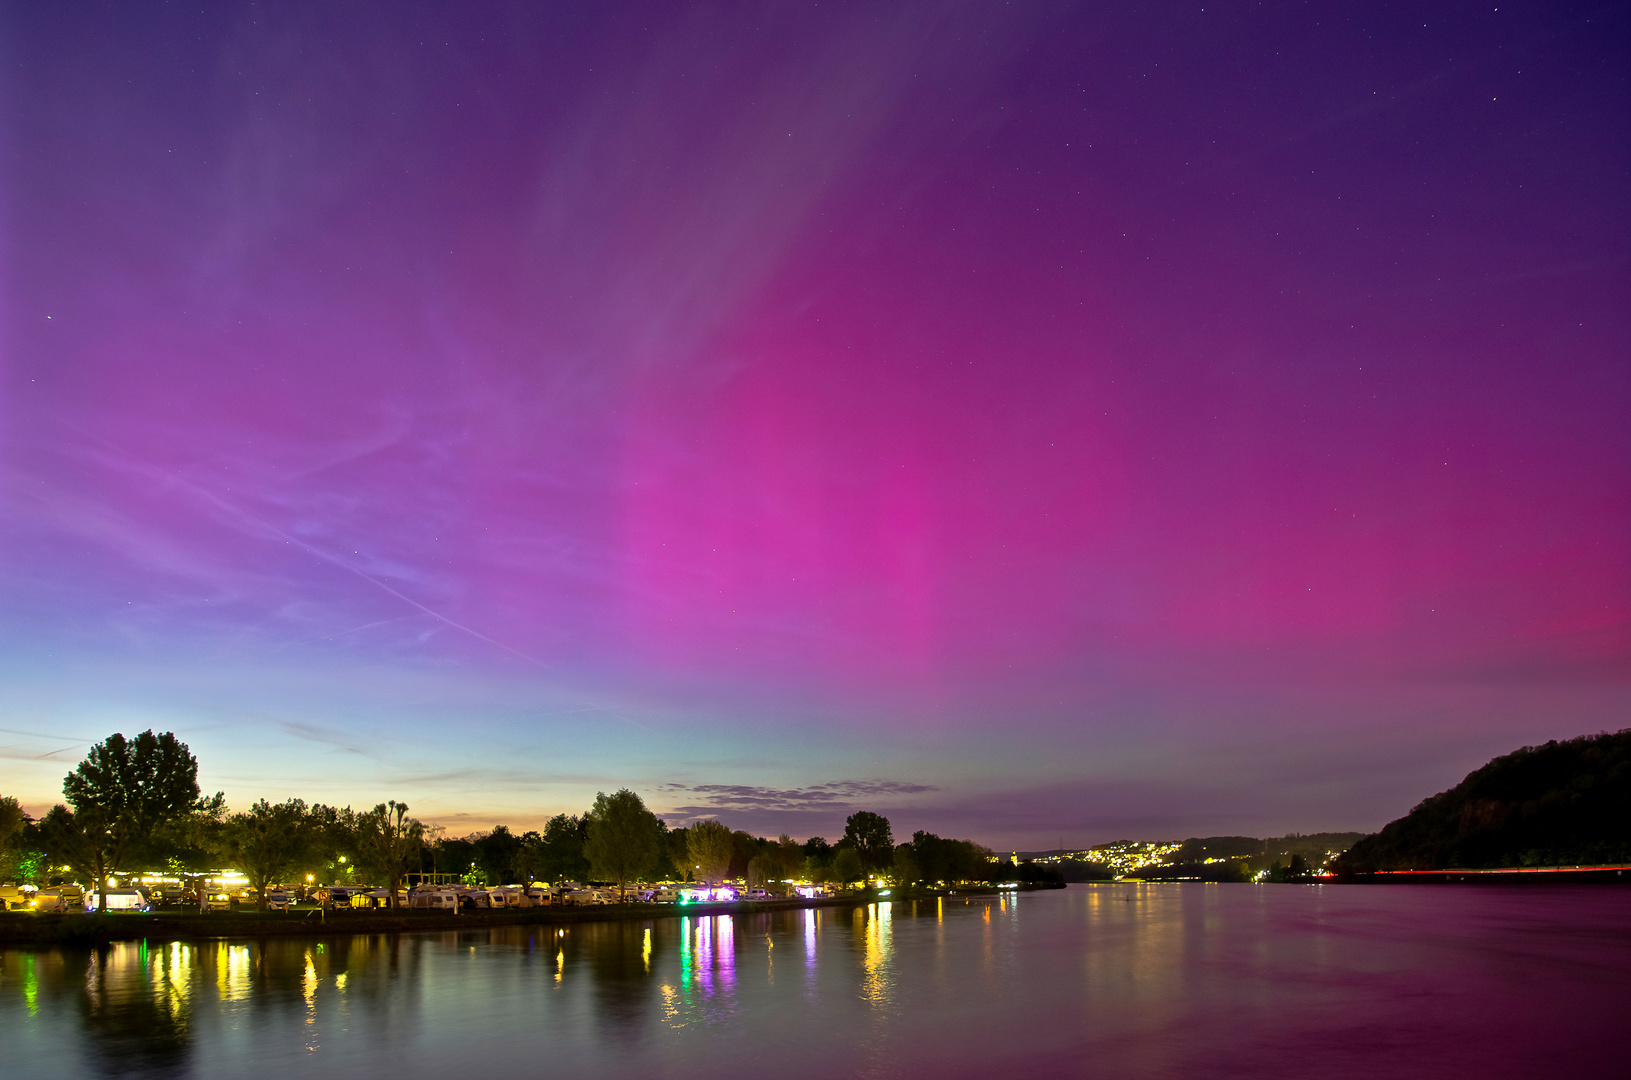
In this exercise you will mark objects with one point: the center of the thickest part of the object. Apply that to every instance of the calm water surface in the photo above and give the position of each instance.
(1110, 980)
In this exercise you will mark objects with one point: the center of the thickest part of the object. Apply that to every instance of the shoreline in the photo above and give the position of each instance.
(27, 929)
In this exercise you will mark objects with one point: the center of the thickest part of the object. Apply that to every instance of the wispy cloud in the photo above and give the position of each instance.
(312, 733)
(835, 795)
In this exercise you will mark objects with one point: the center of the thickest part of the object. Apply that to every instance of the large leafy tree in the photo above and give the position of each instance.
(847, 865)
(14, 827)
(495, 854)
(625, 841)
(562, 849)
(388, 841)
(123, 793)
(12, 819)
(528, 863)
(869, 835)
(710, 846)
(267, 841)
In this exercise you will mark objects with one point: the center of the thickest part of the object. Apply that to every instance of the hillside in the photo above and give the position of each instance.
(1560, 804)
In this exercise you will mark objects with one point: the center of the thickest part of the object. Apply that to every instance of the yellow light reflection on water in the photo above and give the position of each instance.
(645, 951)
(308, 990)
(877, 984)
(232, 972)
(671, 1007)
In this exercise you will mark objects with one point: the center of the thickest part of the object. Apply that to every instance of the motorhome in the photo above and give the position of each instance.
(16, 897)
(59, 898)
(511, 896)
(119, 900)
(342, 896)
(434, 898)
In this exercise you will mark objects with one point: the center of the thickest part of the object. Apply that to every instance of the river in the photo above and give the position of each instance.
(1123, 980)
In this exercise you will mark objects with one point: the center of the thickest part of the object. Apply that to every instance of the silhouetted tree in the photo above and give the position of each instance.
(868, 834)
(710, 846)
(529, 858)
(495, 853)
(847, 865)
(388, 841)
(267, 841)
(563, 858)
(624, 838)
(123, 792)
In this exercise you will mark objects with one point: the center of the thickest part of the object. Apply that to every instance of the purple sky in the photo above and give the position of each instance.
(1032, 421)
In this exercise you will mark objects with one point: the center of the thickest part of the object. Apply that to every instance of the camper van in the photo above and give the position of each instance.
(510, 896)
(16, 897)
(59, 898)
(434, 898)
(119, 900)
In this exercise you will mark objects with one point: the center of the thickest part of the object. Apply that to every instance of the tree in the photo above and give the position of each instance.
(745, 847)
(625, 840)
(388, 840)
(679, 852)
(65, 842)
(496, 852)
(267, 841)
(938, 859)
(847, 865)
(788, 859)
(905, 869)
(12, 819)
(123, 792)
(868, 834)
(710, 847)
(529, 858)
(563, 849)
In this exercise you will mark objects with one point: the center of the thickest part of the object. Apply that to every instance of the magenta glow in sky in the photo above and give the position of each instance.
(1035, 422)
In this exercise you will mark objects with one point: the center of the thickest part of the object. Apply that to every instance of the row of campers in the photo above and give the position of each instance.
(62, 898)
(456, 898)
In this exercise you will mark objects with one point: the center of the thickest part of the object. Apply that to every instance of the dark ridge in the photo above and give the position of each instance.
(1558, 804)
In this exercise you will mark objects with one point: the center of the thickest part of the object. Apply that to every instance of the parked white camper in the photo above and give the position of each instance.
(119, 900)
(511, 896)
(434, 898)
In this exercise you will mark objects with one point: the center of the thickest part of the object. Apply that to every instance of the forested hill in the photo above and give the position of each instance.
(1560, 804)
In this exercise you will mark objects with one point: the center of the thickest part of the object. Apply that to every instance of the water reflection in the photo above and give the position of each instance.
(877, 984)
(1151, 980)
(130, 1029)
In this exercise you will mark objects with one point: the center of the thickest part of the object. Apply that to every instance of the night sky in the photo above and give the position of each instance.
(1031, 421)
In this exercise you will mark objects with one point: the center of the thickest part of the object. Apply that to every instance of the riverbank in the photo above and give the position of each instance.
(1510, 875)
(21, 929)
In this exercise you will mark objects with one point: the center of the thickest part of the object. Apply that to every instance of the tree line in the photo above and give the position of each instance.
(134, 805)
